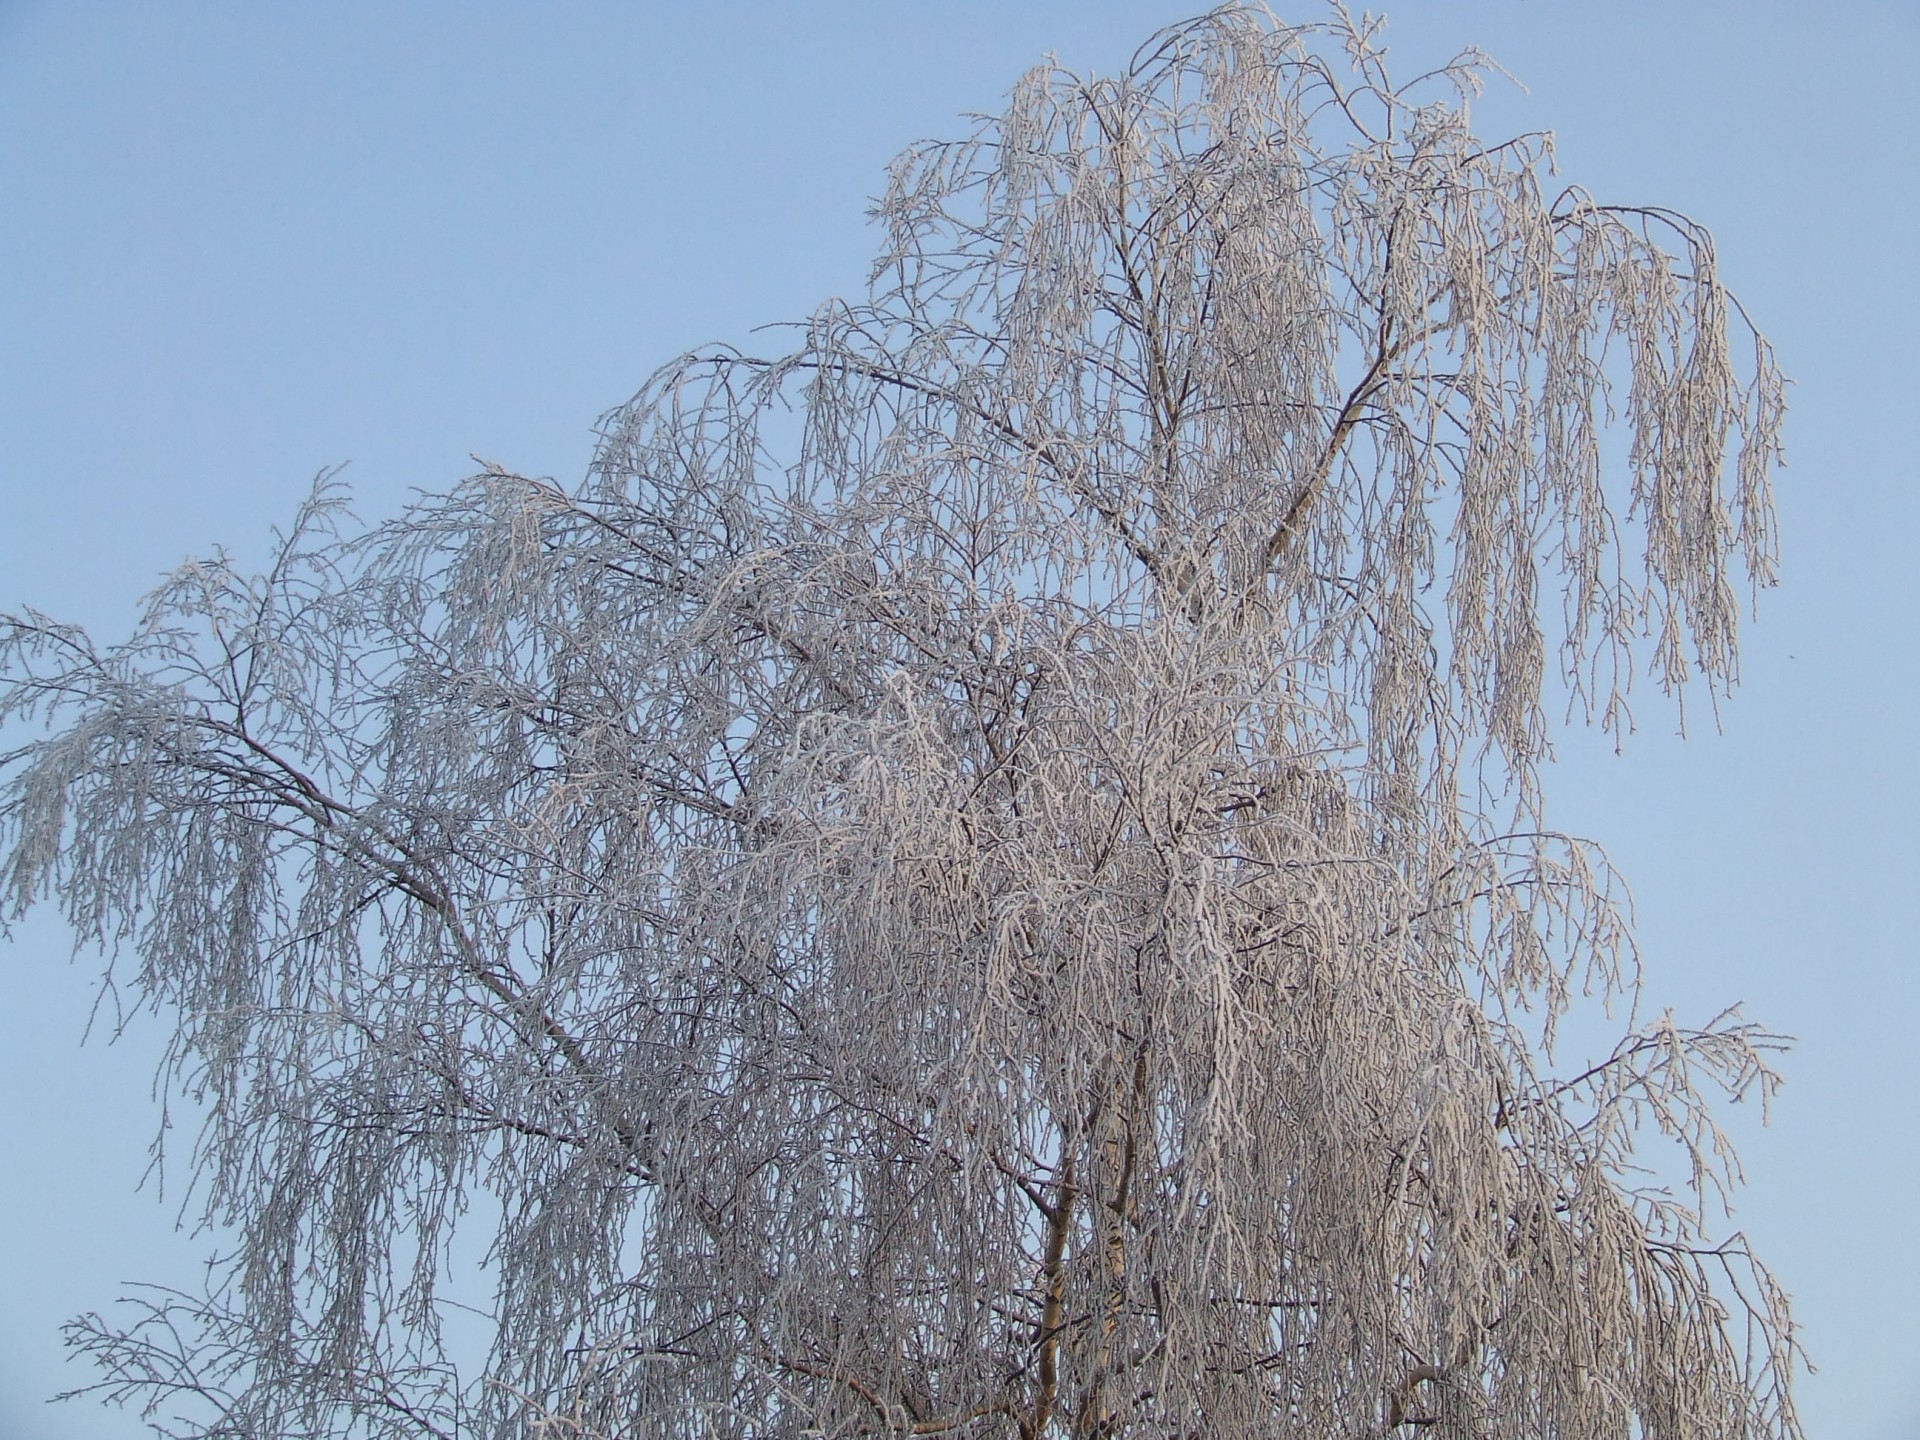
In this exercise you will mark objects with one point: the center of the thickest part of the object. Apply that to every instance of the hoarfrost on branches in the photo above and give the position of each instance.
(984, 875)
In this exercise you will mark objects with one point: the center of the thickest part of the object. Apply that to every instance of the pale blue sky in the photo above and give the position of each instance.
(240, 242)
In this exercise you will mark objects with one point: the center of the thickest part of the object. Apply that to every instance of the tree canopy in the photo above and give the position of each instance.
(984, 874)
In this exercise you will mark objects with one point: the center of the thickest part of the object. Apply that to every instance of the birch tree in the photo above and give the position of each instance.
(985, 873)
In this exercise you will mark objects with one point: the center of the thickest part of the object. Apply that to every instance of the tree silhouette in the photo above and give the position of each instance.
(984, 875)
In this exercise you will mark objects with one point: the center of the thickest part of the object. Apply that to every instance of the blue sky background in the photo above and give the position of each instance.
(240, 242)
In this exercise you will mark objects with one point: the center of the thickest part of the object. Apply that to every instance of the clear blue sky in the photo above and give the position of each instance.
(240, 242)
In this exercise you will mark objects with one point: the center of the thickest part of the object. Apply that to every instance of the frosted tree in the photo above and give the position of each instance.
(984, 875)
